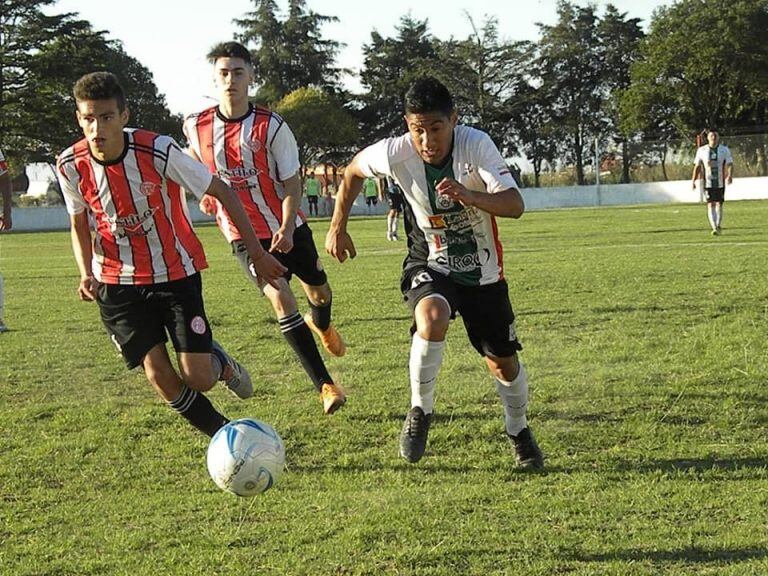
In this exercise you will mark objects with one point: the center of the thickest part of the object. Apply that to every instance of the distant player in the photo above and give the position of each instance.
(6, 223)
(255, 151)
(371, 193)
(714, 164)
(455, 183)
(312, 191)
(143, 266)
(395, 201)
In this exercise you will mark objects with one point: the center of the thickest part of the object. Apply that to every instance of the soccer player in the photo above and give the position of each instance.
(455, 183)
(395, 201)
(143, 266)
(255, 151)
(6, 223)
(312, 188)
(714, 164)
(371, 192)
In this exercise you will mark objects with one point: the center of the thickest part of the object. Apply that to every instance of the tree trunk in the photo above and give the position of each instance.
(664, 164)
(625, 162)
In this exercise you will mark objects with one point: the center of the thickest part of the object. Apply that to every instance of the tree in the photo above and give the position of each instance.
(619, 48)
(707, 61)
(570, 74)
(36, 105)
(486, 76)
(389, 68)
(324, 130)
(292, 53)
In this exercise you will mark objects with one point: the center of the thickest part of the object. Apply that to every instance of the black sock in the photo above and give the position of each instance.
(199, 411)
(300, 338)
(321, 315)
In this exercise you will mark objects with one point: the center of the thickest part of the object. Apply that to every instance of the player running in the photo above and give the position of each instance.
(255, 151)
(143, 266)
(455, 183)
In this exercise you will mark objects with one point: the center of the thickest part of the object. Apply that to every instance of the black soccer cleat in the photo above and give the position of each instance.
(413, 438)
(527, 453)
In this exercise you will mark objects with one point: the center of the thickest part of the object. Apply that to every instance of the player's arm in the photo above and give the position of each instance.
(82, 246)
(5, 189)
(729, 168)
(282, 241)
(265, 265)
(506, 203)
(207, 205)
(338, 242)
(695, 176)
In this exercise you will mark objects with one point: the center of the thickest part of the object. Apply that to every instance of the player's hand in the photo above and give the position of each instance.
(282, 241)
(6, 223)
(340, 245)
(208, 205)
(693, 184)
(88, 288)
(267, 268)
(730, 180)
(455, 191)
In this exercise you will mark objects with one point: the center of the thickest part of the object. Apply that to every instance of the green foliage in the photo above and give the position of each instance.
(324, 130)
(40, 59)
(389, 68)
(647, 371)
(289, 54)
(704, 63)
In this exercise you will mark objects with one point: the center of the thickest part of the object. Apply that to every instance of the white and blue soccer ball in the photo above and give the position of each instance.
(246, 457)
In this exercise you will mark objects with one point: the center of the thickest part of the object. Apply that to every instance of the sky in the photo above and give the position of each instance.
(173, 41)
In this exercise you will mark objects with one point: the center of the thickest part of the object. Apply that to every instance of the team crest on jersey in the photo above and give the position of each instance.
(149, 188)
(254, 144)
(198, 325)
(444, 202)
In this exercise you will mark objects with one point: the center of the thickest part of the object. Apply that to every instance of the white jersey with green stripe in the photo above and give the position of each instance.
(714, 161)
(462, 242)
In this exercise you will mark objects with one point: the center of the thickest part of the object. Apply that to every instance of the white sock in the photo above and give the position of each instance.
(718, 214)
(712, 216)
(514, 398)
(395, 224)
(426, 358)
(389, 224)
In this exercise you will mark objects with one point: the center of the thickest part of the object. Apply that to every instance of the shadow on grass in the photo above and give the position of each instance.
(692, 464)
(690, 555)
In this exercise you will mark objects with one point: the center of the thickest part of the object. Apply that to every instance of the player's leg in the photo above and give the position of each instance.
(136, 322)
(712, 216)
(430, 295)
(294, 328)
(493, 335)
(304, 261)
(190, 403)
(718, 216)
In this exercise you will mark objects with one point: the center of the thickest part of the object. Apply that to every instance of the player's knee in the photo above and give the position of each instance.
(505, 368)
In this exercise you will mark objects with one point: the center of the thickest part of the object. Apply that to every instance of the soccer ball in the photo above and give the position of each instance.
(246, 457)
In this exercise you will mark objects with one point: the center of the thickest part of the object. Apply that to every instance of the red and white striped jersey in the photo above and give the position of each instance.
(144, 234)
(253, 154)
(3, 165)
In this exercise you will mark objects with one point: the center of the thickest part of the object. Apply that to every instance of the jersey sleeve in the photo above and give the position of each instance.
(194, 176)
(492, 167)
(73, 199)
(698, 159)
(373, 161)
(728, 155)
(285, 151)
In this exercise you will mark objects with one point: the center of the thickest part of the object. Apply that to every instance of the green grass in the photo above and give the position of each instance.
(645, 343)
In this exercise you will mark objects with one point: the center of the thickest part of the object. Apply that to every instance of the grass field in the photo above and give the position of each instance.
(646, 346)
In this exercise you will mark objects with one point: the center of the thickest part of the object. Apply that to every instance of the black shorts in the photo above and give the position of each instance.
(371, 200)
(302, 260)
(138, 318)
(486, 310)
(714, 194)
(312, 200)
(395, 201)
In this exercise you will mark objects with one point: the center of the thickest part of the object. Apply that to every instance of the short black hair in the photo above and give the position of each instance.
(229, 50)
(99, 86)
(427, 94)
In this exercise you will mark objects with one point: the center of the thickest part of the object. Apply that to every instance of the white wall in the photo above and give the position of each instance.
(55, 218)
